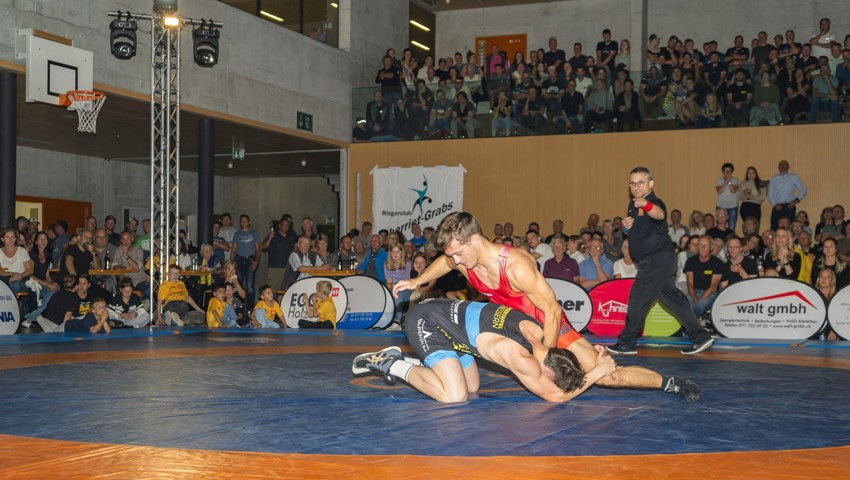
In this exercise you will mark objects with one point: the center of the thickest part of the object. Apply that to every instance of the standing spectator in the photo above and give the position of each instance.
(785, 191)
(60, 229)
(555, 57)
(790, 48)
(114, 237)
(727, 194)
(654, 56)
(822, 41)
(219, 244)
(623, 60)
(553, 89)
(578, 59)
(714, 76)
(227, 232)
(246, 252)
(762, 50)
(751, 193)
(279, 245)
(824, 95)
(606, 51)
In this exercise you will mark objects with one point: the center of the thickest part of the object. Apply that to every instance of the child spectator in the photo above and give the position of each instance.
(267, 312)
(127, 307)
(173, 299)
(234, 304)
(321, 306)
(93, 322)
(216, 308)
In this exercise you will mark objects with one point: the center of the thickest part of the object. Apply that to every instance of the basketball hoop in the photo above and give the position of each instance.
(87, 104)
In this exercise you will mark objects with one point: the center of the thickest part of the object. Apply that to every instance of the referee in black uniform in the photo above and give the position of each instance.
(652, 250)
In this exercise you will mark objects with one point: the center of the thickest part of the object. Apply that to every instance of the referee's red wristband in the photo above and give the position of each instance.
(648, 207)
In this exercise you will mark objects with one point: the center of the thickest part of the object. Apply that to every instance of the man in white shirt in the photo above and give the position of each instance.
(822, 42)
(539, 250)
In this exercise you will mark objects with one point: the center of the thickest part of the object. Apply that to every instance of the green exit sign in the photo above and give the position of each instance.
(305, 121)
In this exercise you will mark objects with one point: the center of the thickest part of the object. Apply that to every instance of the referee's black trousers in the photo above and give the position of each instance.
(655, 281)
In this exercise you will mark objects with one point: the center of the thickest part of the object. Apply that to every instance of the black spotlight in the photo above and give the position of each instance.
(122, 37)
(205, 40)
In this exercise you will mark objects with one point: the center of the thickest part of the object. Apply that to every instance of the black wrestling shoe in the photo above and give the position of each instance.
(377, 363)
(684, 388)
(620, 349)
(695, 348)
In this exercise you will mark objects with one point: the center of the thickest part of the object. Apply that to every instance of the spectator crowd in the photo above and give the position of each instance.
(765, 82)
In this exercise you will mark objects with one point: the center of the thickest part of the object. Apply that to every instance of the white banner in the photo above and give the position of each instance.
(423, 195)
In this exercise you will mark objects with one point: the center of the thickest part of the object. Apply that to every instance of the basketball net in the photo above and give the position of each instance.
(87, 104)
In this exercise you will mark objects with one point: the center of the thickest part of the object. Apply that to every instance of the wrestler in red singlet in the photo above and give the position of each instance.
(505, 295)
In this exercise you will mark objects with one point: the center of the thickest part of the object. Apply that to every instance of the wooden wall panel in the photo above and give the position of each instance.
(524, 179)
(54, 209)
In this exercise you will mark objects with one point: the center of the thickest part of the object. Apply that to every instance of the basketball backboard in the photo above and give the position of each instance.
(52, 67)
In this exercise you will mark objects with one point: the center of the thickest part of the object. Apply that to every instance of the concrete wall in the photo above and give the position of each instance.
(266, 73)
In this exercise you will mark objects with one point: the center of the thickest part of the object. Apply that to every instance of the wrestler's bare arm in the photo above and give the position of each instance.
(523, 275)
(439, 267)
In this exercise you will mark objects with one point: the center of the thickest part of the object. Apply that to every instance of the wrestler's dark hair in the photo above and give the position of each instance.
(460, 226)
(568, 373)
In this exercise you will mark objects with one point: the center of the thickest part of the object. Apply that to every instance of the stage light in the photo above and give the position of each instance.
(423, 47)
(205, 40)
(165, 7)
(419, 26)
(271, 16)
(122, 38)
(171, 21)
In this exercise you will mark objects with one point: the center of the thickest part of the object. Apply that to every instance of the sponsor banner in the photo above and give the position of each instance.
(769, 309)
(402, 197)
(368, 303)
(611, 303)
(389, 311)
(295, 300)
(10, 315)
(574, 300)
(839, 313)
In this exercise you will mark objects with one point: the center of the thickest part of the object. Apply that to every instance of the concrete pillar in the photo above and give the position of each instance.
(206, 179)
(8, 144)
(640, 35)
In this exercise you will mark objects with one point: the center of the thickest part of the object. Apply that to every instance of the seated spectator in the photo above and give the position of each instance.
(173, 299)
(216, 308)
(806, 61)
(570, 116)
(499, 80)
(520, 93)
(532, 115)
(766, 100)
(541, 251)
(127, 307)
(94, 321)
(40, 284)
(16, 261)
(738, 266)
(625, 267)
(627, 107)
(739, 99)
(842, 72)
(442, 71)
(797, 93)
(831, 260)
(612, 245)
(457, 86)
(358, 134)
(690, 249)
(687, 101)
(321, 308)
(267, 312)
(653, 88)
(782, 260)
(463, 115)
(502, 123)
(441, 113)
(553, 89)
(597, 268)
(61, 307)
(584, 84)
(374, 260)
(703, 272)
(377, 110)
(722, 229)
(561, 265)
(824, 95)
(575, 248)
(738, 56)
(676, 230)
(600, 106)
(422, 100)
(406, 122)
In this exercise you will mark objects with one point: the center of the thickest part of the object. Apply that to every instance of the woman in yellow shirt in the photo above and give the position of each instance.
(322, 307)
